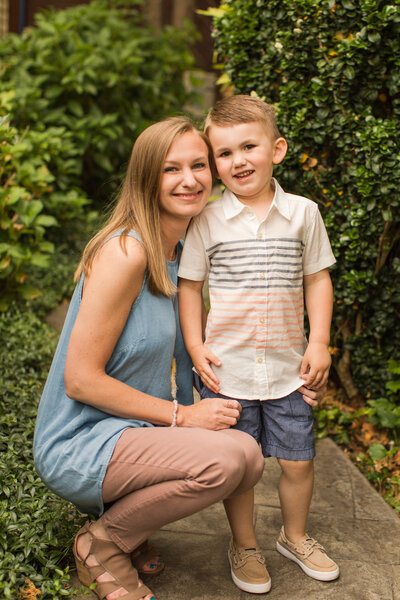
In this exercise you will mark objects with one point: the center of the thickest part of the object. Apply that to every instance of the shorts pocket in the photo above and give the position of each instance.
(204, 392)
(301, 411)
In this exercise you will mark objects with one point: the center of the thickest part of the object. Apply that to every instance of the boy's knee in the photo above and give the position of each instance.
(297, 468)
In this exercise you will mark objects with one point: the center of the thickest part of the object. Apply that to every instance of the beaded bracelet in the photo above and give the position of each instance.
(175, 413)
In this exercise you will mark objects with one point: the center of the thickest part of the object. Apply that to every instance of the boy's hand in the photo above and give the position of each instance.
(312, 397)
(201, 358)
(315, 365)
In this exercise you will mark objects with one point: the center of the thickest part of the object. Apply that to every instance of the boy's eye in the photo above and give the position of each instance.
(249, 146)
(225, 153)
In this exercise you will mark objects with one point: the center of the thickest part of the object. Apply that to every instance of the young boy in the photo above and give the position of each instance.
(258, 246)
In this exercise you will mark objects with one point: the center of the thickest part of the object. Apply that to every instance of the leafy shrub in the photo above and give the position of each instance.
(333, 72)
(367, 438)
(36, 527)
(386, 411)
(103, 75)
(31, 202)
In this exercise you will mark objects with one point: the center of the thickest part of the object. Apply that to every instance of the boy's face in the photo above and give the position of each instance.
(244, 155)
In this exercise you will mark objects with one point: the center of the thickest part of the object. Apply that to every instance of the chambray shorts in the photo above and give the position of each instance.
(282, 427)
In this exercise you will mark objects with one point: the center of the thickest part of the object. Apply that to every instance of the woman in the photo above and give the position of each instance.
(109, 437)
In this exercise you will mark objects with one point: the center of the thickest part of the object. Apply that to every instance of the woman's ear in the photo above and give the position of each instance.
(280, 149)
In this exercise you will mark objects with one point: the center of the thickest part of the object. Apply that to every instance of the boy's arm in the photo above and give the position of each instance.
(319, 302)
(191, 316)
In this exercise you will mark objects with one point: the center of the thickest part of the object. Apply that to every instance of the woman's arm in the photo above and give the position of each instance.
(109, 291)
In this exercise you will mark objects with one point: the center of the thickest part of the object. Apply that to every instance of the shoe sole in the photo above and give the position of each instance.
(320, 575)
(253, 588)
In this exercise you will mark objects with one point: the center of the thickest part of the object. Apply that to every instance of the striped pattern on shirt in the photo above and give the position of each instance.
(256, 293)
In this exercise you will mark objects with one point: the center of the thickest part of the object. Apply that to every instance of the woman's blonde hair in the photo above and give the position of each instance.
(138, 204)
(232, 110)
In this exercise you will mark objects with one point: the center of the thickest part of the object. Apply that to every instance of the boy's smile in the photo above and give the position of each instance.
(244, 155)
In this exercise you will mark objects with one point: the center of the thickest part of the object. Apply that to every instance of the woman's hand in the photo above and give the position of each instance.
(210, 413)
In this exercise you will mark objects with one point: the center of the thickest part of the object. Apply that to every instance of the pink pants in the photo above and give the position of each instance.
(158, 475)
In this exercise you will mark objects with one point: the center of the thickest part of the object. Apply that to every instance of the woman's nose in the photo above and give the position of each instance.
(189, 179)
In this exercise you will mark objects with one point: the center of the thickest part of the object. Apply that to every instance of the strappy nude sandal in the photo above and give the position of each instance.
(111, 560)
(144, 554)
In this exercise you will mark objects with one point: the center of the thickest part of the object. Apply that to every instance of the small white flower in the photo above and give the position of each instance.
(278, 46)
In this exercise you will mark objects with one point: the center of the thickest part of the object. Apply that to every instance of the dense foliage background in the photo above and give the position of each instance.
(332, 70)
(76, 90)
(74, 93)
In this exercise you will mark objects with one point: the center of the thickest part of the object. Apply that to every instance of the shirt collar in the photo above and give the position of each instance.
(233, 207)
(281, 201)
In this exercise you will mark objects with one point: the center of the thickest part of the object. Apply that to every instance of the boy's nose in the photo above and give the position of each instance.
(238, 159)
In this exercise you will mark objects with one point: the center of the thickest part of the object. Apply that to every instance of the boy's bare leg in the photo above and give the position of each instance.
(239, 511)
(248, 570)
(295, 492)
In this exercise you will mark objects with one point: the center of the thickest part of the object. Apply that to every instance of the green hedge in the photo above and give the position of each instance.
(36, 527)
(102, 73)
(75, 91)
(333, 72)
(32, 202)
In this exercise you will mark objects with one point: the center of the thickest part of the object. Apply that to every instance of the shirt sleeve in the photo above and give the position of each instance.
(194, 263)
(317, 253)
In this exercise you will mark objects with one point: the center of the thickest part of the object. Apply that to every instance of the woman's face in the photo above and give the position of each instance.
(186, 179)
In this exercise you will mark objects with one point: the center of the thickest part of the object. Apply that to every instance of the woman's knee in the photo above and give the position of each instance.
(251, 454)
(232, 462)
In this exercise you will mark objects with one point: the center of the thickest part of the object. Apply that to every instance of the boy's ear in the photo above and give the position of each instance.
(280, 149)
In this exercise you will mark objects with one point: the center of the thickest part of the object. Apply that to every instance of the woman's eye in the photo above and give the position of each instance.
(199, 165)
(169, 169)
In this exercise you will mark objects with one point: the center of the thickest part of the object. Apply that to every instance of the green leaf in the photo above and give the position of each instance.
(40, 260)
(377, 451)
(393, 386)
(16, 193)
(394, 366)
(46, 221)
(29, 292)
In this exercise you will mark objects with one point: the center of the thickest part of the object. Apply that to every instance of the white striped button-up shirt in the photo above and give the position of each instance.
(255, 272)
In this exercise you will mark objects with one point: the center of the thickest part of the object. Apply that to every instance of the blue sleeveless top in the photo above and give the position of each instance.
(73, 441)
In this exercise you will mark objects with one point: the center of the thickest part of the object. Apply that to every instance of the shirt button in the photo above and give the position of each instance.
(259, 235)
(262, 275)
(262, 320)
(259, 360)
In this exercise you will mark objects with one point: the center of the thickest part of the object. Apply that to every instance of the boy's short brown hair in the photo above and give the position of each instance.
(242, 109)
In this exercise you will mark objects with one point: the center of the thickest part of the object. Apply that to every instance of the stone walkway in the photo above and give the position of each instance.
(361, 532)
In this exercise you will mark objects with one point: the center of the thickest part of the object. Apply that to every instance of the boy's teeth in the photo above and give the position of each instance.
(244, 174)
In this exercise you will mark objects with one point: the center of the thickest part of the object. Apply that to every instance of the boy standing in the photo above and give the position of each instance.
(258, 246)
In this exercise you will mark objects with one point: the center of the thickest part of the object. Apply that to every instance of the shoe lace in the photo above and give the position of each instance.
(241, 556)
(307, 547)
